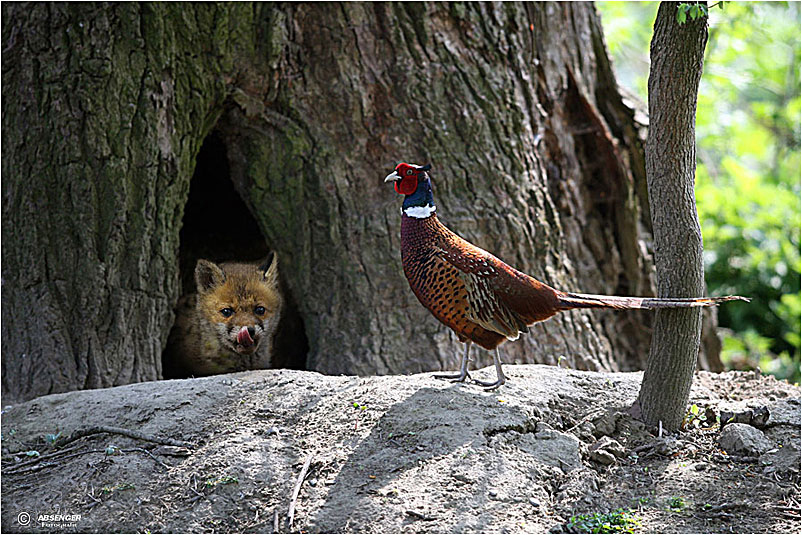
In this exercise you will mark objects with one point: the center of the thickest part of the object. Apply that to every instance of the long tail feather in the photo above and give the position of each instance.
(570, 301)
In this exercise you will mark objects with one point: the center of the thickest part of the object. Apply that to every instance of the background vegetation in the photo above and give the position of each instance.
(748, 174)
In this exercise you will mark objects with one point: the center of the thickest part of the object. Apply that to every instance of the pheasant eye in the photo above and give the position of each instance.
(409, 172)
(227, 312)
(259, 311)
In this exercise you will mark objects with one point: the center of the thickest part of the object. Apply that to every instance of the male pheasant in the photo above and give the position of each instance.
(482, 299)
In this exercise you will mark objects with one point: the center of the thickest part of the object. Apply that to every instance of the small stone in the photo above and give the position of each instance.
(668, 445)
(602, 456)
(700, 467)
(760, 417)
(272, 431)
(534, 502)
(610, 446)
(743, 439)
(313, 482)
(492, 493)
(465, 478)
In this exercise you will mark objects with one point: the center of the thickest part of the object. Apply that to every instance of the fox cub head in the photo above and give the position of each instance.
(243, 301)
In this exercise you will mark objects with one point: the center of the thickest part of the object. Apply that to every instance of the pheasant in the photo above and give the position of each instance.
(482, 299)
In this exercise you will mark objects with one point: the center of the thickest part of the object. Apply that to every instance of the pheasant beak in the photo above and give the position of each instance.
(392, 177)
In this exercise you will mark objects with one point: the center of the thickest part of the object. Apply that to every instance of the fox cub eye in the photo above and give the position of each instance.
(227, 312)
(259, 311)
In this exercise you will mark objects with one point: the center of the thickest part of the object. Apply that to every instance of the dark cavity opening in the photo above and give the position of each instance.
(218, 226)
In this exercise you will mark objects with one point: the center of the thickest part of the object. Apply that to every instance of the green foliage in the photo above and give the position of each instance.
(694, 418)
(747, 189)
(694, 11)
(618, 521)
(224, 480)
(676, 503)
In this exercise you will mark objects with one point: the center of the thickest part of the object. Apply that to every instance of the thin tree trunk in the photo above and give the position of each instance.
(677, 54)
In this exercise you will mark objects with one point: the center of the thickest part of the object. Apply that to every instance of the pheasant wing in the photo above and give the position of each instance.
(485, 306)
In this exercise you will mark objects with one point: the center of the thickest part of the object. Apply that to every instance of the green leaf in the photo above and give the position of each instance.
(681, 17)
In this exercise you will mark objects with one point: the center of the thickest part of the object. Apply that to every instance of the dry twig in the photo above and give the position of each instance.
(16, 467)
(297, 489)
(80, 433)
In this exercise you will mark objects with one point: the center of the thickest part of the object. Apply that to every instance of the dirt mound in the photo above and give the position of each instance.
(397, 454)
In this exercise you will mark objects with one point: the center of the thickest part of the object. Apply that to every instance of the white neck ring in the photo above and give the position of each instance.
(419, 212)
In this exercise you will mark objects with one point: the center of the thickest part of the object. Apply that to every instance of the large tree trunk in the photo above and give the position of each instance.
(677, 55)
(106, 107)
(516, 108)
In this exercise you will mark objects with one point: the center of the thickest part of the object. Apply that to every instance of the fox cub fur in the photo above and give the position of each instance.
(229, 324)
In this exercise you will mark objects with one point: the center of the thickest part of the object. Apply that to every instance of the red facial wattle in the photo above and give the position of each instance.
(407, 185)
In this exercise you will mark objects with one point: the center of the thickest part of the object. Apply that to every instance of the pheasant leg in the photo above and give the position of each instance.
(501, 378)
(463, 367)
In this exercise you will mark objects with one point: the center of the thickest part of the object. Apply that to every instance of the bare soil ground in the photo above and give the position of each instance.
(396, 454)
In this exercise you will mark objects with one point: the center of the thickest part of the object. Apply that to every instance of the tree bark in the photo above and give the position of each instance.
(535, 158)
(677, 55)
(104, 109)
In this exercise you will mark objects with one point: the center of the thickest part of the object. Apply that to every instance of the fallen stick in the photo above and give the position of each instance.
(14, 467)
(297, 489)
(121, 431)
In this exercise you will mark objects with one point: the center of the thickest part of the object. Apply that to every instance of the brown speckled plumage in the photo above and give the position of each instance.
(482, 299)
(477, 295)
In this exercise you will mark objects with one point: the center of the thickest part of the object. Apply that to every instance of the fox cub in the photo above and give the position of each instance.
(229, 324)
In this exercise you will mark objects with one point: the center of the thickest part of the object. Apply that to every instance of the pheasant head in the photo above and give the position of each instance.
(412, 181)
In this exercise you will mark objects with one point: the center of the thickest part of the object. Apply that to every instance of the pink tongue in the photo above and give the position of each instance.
(244, 337)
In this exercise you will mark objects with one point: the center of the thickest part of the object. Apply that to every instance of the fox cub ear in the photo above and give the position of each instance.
(269, 269)
(208, 275)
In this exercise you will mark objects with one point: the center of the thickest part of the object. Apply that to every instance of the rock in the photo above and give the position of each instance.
(586, 431)
(609, 445)
(601, 456)
(760, 417)
(781, 460)
(667, 445)
(785, 412)
(606, 425)
(743, 439)
(756, 417)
